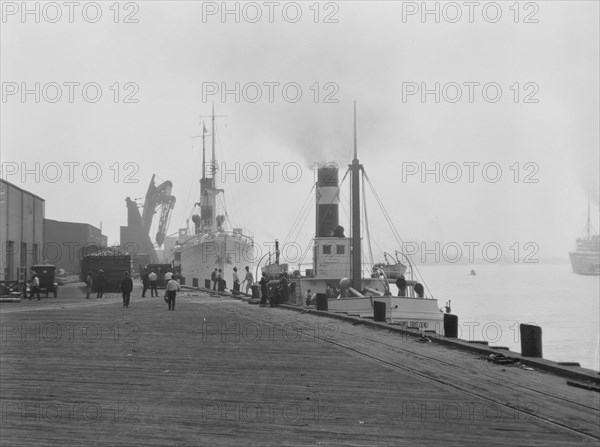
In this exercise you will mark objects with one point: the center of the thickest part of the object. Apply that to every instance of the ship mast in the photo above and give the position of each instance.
(355, 169)
(203, 150)
(206, 221)
(588, 220)
(212, 162)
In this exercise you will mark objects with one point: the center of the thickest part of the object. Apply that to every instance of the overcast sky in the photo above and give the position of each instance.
(538, 141)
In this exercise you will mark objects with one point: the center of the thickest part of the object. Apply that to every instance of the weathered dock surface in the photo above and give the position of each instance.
(219, 371)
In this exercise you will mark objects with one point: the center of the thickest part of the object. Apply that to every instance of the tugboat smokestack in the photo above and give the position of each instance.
(327, 200)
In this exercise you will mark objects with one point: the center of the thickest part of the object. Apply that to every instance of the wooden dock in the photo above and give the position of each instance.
(219, 371)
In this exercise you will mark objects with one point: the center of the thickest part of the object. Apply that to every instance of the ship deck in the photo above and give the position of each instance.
(219, 371)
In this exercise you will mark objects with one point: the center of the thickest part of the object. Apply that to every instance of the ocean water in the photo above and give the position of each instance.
(491, 305)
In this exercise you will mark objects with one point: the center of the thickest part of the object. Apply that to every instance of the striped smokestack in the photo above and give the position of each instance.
(327, 200)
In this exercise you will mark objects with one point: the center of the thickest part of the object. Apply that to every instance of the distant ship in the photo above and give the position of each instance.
(211, 243)
(585, 260)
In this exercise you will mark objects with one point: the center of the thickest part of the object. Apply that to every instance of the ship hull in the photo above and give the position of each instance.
(585, 263)
(409, 312)
(416, 313)
(201, 254)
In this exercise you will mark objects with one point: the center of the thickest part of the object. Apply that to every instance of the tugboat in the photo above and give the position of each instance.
(211, 244)
(336, 276)
(585, 260)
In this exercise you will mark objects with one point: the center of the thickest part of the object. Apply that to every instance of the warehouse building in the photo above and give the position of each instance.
(65, 243)
(21, 229)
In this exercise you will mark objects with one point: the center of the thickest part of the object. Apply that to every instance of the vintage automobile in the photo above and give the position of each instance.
(45, 274)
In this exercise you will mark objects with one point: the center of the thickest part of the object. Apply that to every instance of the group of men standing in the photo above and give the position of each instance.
(219, 284)
(149, 281)
(99, 283)
(280, 291)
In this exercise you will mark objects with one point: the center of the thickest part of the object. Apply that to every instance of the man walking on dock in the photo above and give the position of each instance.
(220, 287)
(35, 287)
(88, 285)
(263, 290)
(213, 277)
(126, 288)
(171, 292)
(236, 281)
(145, 282)
(100, 284)
(152, 277)
(249, 279)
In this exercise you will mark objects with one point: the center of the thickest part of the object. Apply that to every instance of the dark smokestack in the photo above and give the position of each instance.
(327, 200)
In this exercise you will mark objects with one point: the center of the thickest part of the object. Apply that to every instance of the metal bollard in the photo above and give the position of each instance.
(322, 302)
(379, 311)
(531, 340)
(450, 325)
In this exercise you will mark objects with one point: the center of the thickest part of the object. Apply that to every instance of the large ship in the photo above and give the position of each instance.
(340, 277)
(211, 242)
(585, 260)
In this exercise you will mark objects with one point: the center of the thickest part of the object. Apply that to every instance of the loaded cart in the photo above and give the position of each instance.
(113, 264)
(45, 274)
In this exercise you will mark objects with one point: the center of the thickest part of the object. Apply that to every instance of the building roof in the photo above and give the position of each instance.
(73, 223)
(12, 185)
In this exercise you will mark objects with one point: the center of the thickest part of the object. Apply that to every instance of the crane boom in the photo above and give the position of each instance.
(166, 207)
(158, 197)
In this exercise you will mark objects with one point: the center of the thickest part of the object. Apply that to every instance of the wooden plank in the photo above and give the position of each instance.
(218, 371)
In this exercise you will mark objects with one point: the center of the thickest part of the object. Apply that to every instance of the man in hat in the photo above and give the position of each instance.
(89, 282)
(213, 278)
(100, 284)
(307, 298)
(220, 286)
(152, 277)
(145, 282)
(263, 289)
(35, 286)
(171, 292)
(236, 281)
(126, 288)
(248, 279)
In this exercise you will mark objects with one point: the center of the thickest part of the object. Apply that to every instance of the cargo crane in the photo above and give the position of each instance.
(158, 196)
(135, 237)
